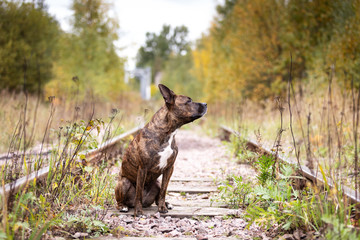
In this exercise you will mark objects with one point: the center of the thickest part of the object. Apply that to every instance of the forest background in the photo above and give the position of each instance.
(246, 52)
(244, 55)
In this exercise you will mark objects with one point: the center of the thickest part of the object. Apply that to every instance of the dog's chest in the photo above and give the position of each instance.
(166, 153)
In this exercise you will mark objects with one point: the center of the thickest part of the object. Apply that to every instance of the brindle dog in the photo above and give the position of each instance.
(153, 152)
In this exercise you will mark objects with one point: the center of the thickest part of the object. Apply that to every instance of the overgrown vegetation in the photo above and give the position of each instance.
(280, 204)
(280, 201)
(74, 196)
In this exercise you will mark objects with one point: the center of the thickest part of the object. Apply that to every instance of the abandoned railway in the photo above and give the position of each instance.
(201, 162)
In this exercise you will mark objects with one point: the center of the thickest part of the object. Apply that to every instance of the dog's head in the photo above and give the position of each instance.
(182, 107)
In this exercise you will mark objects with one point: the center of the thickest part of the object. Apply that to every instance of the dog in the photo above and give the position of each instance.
(152, 152)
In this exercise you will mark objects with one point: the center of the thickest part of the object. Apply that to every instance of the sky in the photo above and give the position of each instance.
(136, 17)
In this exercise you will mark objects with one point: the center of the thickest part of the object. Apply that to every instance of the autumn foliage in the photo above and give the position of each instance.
(247, 51)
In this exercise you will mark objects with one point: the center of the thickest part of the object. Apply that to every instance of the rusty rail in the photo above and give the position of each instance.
(9, 156)
(42, 173)
(304, 170)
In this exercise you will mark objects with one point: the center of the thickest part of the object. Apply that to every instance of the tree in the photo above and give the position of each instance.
(89, 53)
(158, 47)
(28, 36)
(177, 75)
(247, 52)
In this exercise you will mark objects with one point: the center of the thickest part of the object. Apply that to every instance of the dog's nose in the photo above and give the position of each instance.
(205, 104)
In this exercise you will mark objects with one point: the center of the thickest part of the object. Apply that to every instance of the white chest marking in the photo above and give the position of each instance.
(166, 153)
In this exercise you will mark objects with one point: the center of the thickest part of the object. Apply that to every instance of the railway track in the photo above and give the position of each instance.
(108, 147)
(190, 196)
(309, 174)
(193, 193)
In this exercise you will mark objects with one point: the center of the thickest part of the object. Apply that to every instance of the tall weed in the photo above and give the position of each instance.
(71, 184)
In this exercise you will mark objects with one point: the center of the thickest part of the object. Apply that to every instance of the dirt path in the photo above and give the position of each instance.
(200, 158)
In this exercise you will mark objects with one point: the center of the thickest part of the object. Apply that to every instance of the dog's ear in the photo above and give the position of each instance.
(168, 95)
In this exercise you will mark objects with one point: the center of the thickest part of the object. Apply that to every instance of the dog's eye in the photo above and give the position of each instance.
(188, 101)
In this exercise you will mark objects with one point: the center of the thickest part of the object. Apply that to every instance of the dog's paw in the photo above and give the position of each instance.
(138, 213)
(169, 205)
(122, 208)
(163, 209)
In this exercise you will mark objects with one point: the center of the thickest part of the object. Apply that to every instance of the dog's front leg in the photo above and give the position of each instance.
(140, 182)
(164, 184)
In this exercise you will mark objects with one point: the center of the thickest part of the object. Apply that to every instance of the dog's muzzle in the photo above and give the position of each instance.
(201, 112)
(204, 105)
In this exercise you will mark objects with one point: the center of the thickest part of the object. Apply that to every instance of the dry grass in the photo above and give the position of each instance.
(323, 127)
(129, 109)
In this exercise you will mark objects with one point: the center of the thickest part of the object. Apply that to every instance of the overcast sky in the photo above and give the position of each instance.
(136, 17)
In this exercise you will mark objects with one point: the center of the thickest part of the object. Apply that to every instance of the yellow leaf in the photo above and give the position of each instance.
(324, 176)
(25, 166)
